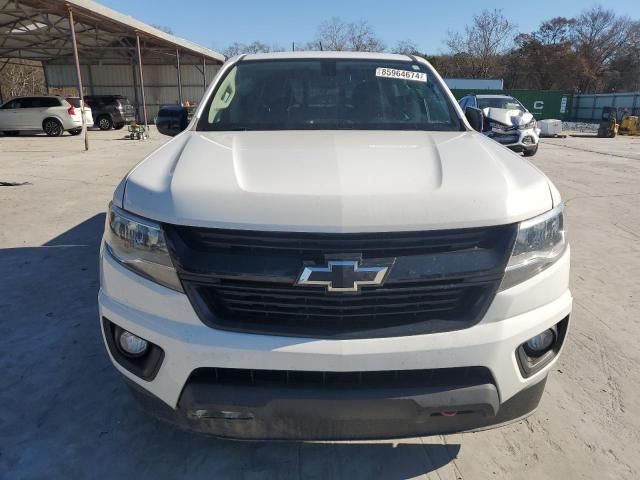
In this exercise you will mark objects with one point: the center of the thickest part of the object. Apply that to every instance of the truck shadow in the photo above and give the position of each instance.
(68, 414)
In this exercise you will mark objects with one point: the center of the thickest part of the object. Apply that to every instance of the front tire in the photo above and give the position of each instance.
(530, 152)
(52, 127)
(118, 126)
(105, 122)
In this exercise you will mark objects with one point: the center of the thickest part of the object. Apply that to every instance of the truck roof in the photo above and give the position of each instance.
(315, 54)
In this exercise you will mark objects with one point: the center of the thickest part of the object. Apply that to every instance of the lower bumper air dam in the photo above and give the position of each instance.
(254, 413)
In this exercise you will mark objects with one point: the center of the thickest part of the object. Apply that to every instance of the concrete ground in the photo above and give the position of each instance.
(65, 412)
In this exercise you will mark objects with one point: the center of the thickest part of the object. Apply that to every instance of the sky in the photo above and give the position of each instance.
(216, 24)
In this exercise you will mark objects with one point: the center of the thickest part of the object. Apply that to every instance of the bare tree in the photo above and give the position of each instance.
(557, 31)
(406, 47)
(624, 70)
(362, 38)
(482, 43)
(338, 35)
(600, 35)
(332, 35)
(20, 77)
(545, 59)
(253, 47)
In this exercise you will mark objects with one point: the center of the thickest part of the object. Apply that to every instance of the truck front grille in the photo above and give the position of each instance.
(245, 280)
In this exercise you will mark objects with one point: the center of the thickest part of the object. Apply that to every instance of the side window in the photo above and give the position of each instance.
(30, 103)
(472, 102)
(47, 102)
(464, 101)
(12, 104)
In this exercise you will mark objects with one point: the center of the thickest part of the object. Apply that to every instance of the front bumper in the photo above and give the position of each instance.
(286, 414)
(166, 318)
(517, 140)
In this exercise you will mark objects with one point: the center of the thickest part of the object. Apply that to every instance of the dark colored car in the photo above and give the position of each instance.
(111, 111)
(172, 119)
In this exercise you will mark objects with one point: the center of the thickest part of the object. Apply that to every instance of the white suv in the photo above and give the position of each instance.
(331, 251)
(52, 114)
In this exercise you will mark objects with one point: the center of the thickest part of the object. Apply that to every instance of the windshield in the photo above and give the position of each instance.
(328, 94)
(508, 103)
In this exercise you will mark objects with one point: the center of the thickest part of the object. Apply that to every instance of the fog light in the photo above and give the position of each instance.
(131, 344)
(539, 344)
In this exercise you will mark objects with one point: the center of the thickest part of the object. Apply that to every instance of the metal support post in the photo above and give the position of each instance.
(79, 78)
(179, 77)
(204, 74)
(144, 103)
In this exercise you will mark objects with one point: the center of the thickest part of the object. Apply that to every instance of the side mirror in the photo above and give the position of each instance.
(475, 118)
(171, 121)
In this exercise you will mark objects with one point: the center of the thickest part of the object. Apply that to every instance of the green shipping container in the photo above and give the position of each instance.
(542, 103)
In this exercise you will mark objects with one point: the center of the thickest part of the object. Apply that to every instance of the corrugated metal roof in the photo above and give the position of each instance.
(131, 22)
(40, 30)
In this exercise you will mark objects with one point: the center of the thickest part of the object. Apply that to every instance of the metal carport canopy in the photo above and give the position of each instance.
(74, 31)
(40, 30)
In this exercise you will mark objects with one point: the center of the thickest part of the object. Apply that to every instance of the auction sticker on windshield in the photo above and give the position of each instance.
(402, 74)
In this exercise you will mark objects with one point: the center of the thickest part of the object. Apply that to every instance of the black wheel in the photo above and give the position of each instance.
(119, 126)
(104, 122)
(52, 127)
(75, 131)
(530, 152)
(11, 133)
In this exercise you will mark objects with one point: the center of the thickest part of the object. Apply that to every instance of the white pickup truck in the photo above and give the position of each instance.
(330, 250)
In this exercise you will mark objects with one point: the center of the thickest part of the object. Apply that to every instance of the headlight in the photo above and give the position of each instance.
(540, 242)
(526, 126)
(139, 245)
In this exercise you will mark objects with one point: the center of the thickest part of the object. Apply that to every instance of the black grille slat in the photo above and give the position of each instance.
(320, 306)
(354, 246)
(339, 309)
(318, 313)
(302, 291)
(245, 280)
(298, 294)
(359, 379)
(297, 242)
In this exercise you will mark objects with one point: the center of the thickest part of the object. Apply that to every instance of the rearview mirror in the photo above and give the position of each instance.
(475, 118)
(172, 119)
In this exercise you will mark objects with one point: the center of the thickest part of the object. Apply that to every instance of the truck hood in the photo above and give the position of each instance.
(506, 117)
(335, 181)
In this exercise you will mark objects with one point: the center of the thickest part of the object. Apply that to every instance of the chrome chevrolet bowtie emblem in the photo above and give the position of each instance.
(342, 276)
